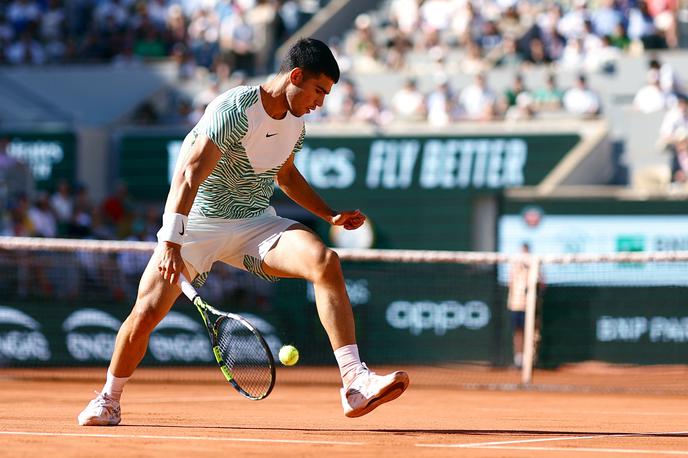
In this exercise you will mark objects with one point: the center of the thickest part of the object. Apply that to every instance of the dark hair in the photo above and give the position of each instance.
(313, 56)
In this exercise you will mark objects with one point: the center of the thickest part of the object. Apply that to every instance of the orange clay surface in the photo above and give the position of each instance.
(208, 418)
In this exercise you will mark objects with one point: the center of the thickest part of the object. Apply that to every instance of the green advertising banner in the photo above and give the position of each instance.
(415, 314)
(632, 325)
(412, 314)
(51, 156)
(417, 191)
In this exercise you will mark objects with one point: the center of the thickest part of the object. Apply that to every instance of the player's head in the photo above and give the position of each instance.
(312, 71)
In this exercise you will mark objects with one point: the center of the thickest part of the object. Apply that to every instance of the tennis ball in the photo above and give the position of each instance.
(288, 355)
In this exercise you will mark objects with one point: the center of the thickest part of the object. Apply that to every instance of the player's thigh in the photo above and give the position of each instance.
(155, 295)
(297, 253)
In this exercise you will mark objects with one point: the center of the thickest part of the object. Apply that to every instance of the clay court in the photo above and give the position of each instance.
(205, 417)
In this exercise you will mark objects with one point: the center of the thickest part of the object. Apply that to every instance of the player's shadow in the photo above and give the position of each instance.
(419, 431)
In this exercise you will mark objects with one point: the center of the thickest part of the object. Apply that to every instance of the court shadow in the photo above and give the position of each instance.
(417, 431)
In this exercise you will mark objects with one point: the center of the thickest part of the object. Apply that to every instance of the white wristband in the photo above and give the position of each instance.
(173, 228)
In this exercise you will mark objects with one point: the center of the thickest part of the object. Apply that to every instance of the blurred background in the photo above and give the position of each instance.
(470, 125)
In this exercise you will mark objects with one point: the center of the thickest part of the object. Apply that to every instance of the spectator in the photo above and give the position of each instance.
(679, 163)
(42, 217)
(549, 98)
(650, 98)
(619, 38)
(26, 50)
(664, 13)
(440, 103)
(20, 222)
(513, 92)
(373, 112)
(117, 209)
(63, 205)
(668, 79)
(675, 122)
(473, 62)
(22, 14)
(408, 103)
(641, 27)
(582, 101)
(477, 101)
(15, 177)
(607, 19)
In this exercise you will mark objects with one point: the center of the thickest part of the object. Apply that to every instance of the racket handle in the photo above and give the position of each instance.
(188, 290)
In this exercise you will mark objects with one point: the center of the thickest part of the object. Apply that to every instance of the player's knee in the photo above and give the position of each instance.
(326, 262)
(143, 320)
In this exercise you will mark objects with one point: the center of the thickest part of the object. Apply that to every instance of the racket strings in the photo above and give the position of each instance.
(246, 357)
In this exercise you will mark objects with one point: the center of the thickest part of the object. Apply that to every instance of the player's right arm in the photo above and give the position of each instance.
(193, 167)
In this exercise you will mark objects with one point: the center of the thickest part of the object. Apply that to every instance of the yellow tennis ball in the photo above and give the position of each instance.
(288, 355)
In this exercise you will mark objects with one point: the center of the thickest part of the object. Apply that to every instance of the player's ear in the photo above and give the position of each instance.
(296, 76)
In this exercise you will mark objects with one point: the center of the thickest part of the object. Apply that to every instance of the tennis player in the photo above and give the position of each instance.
(218, 210)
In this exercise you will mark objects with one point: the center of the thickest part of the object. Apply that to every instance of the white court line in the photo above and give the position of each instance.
(595, 450)
(496, 444)
(183, 438)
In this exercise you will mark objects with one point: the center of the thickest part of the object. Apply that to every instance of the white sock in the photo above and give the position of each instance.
(348, 361)
(114, 385)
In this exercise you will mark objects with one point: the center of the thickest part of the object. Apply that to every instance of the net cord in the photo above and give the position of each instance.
(370, 255)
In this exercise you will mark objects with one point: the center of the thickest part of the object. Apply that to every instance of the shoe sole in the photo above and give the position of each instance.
(96, 422)
(392, 392)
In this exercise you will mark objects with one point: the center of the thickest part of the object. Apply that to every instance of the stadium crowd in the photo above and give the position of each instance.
(222, 43)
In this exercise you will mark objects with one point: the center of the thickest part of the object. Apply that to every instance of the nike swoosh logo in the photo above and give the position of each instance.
(270, 135)
(182, 232)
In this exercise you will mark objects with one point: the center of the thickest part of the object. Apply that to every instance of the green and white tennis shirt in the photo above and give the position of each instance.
(254, 147)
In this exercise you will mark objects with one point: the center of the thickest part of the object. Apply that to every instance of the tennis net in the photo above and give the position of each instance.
(590, 321)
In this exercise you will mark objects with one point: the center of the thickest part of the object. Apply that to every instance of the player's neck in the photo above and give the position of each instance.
(273, 96)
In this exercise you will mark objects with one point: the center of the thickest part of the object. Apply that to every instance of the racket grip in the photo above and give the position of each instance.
(188, 290)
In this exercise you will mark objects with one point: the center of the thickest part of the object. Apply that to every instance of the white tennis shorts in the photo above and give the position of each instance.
(242, 243)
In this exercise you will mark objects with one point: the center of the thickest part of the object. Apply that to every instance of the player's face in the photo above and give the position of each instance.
(307, 93)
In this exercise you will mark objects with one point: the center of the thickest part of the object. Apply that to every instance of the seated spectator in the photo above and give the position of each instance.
(473, 62)
(602, 57)
(573, 56)
(675, 122)
(641, 27)
(619, 38)
(477, 102)
(440, 104)
(550, 97)
(523, 109)
(63, 205)
(373, 112)
(26, 50)
(510, 95)
(607, 18)
(650, 98)
(21, 14)
(582, 101)
(668, 78)
(664, 13)
(679, 162)
(408, 103)
(15, 176)
(506, 55)
(572, 24)
(42, 216)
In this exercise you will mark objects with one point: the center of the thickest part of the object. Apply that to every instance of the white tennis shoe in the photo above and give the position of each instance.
(101, 411)
(368, 390)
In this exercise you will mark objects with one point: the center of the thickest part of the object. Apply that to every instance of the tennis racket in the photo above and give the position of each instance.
(240, 350)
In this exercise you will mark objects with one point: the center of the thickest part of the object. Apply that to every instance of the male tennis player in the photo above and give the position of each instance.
(223, 181)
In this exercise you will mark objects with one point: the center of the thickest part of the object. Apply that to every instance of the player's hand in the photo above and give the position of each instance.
(171, 264)
(350, 219)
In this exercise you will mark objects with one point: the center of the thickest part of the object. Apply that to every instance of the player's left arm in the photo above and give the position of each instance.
(297, 188)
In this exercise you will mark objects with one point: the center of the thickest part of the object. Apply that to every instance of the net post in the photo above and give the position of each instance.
(529, 325)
